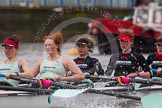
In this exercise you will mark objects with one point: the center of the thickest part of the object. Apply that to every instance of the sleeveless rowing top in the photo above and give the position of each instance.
(49, 68)
(10, 68)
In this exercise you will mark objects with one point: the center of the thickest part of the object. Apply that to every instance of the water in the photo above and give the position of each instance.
(32, 51)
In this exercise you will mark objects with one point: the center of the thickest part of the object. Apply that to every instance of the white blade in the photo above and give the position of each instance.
(67, 93)
(152, 101)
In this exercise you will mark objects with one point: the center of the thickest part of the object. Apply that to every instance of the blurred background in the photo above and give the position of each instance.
(26, 17)
(33, 19)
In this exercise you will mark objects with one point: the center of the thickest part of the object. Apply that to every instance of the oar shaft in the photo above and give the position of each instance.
(117, 94)
(26, 89)
(28, 80)
(102, 77)
(145, 81)
(65, 86)
(126, 79)
(46, 82)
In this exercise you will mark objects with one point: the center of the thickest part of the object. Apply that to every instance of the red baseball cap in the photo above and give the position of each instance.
(10, 43)
(125, 37)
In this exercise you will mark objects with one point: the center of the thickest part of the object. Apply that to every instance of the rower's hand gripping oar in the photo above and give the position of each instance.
(70, 90)
(43, 91)
(148, 101)
(42, 82)
(154, 72)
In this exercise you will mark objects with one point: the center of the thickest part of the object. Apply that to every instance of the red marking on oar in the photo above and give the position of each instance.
(125, 80)
(45, 83)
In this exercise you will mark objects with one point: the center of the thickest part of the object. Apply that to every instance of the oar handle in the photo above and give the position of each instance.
(26, 89)
(2, 75)
(45, 82)
(42, 82)
(28, 80)
(20, 78)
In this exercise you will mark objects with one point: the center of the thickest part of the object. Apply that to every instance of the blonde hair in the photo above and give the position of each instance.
(91, 42)
(57, 39)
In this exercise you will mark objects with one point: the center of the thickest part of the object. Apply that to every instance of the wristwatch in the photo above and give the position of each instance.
(17, 74)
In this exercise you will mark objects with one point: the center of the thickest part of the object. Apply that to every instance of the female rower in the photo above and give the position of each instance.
(86, 63)
(155, 59)
(127, 62)
(56, 66)
(14, 65)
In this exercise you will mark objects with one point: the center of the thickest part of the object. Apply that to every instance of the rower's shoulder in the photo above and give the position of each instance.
(116, 55)
(152, 55)
(92, 59)
(40, 59)
(67, 60)
(66, 57)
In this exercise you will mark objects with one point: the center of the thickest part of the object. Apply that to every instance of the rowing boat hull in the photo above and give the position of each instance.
(24, 101)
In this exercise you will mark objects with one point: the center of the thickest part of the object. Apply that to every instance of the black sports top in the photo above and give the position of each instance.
(90, 65)
(124, 64)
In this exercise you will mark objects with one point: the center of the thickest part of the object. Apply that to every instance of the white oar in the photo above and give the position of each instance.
(152, 101)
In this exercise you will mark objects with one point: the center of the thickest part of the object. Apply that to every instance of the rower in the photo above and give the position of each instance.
(14, 65)
(127, 62)
(88, 64)
(155, 59)
(55, 66)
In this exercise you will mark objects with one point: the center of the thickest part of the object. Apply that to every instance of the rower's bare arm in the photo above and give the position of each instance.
(26, 69)
(140, 74)
(159, 71)
(70, 65)
(144, 74)
(36, 68)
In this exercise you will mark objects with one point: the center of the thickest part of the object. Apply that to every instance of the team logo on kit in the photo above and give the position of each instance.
(83, 66)
(123, 63)
(157, 62)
